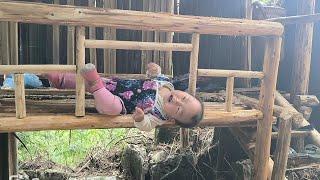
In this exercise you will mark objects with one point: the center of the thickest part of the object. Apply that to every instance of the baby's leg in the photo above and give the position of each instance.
(107, 103)
(62, 80)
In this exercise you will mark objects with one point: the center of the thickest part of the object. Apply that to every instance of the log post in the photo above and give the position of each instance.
(282, 147)
(302, 51)
(92, 35)
(80, 83)
(184, 133)
(70, 40)
(56, 41)
(13, 146)
(229, 93)
(4, 168)
(168, 69)
(268, 88)
(109, 33)
(4, 43)
(20, 96)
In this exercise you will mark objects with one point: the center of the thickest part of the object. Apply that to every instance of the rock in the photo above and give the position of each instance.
(158, 156)
(134, 161)
(179, 166)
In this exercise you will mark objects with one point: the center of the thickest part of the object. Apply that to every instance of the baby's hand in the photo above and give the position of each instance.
(138, 115)
(153, 70)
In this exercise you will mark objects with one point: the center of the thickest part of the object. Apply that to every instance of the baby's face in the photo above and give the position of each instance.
(181, 106)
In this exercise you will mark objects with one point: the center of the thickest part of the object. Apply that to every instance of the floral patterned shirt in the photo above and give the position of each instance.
(143, 94)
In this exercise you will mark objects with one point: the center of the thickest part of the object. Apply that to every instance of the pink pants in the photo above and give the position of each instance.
(105, 101)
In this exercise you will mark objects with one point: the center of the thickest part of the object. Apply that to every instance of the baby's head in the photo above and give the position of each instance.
(186, 110)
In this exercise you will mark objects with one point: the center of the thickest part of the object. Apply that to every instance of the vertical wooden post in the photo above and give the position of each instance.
(4, 43)
(13, 146)
(147, 36)
(109, 33)
(70, 40)
(267, 93)
(20, 96)
(302, 51)
(156, 54)
(13, 31)
(4, 168)
(282, 148)
(184, 133)
(13, 151)
(80, 83)
(92, 35)
(169, 39)
(56, 41)
(229, 93)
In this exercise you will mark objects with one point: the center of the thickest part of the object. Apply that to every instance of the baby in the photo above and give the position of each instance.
(152, 101)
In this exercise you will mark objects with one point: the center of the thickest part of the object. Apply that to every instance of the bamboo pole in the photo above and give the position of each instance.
(20, 96)
(282, 148)
(299, 19)
(92, 35)
(302, 51)
(69, 15)
(184, 133)
(109, 33)
(54, 121)
(4, 43)
(230, 73)
(229, 93)
(131, 45)
(70, 40)
(36, 68)
(268, 88)
(80, 83)
(56, 41)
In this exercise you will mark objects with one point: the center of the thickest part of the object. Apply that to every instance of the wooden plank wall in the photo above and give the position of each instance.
(223, 52)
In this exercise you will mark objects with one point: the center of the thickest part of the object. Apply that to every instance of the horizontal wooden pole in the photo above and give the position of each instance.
(9, 123)
(132, 45)
(312, 18)
(123, 19)
(230, 73)
(293, 134)
(6, 69)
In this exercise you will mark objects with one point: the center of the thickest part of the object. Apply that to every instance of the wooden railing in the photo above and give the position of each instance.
(81, 16)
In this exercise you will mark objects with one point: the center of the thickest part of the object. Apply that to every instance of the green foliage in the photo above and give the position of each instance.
(66, 147)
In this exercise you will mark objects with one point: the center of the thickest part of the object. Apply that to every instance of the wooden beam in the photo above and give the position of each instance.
(13, 154)
(131, 45)
(230, 73)
(294, 134)
(300, 19)
(282, 148)
(70, 41)
(35, 122)
(13, 40)
(298, 120)
(36, 68)
(268, 88)
(19, 96)
(302, 51)
(229, 93)
(168, 64)
(70, 15)
(80, 82)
